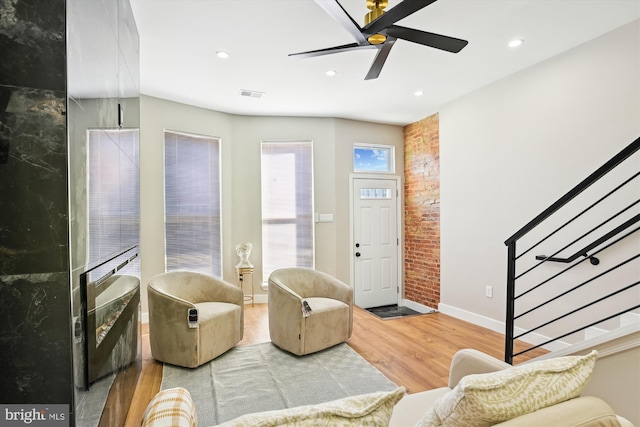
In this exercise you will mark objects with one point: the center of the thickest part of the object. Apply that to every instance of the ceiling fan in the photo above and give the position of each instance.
(379, 31)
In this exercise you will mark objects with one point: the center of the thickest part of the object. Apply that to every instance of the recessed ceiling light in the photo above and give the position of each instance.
(330, 73)
(418, 93)
(222, 54)
(516, 42)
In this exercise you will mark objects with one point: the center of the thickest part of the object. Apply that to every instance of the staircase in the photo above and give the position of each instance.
(573, 272)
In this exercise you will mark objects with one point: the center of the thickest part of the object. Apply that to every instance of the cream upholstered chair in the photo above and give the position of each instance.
(220, 325)
(330, 321)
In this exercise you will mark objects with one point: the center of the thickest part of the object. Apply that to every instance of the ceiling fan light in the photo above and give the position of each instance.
(376, 8)
(515, 42)
(377, 39)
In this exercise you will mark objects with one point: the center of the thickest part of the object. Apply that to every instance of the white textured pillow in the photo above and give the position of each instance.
(481, 400)
(373, 409)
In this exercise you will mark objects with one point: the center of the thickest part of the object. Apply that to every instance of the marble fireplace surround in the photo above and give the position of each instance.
(43, 118)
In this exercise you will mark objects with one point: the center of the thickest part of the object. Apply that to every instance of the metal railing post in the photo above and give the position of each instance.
(511, 292)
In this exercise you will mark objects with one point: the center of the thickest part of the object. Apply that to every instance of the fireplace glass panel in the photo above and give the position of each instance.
(112, 292)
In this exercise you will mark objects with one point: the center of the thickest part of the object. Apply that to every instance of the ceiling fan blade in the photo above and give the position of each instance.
(393, 15)
(337, 12)
(381, 57)
(438, 41)
(331, 50)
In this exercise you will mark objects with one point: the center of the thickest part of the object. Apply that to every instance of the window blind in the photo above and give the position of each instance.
(113, 189)
(192, 203)
(287, 205)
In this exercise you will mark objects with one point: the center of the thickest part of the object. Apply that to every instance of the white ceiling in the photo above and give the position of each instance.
(179, 40)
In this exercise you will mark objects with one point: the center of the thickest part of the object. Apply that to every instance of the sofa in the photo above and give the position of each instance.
(572, 410)
(482, 391)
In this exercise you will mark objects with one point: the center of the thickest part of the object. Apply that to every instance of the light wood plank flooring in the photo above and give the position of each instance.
(414, 352)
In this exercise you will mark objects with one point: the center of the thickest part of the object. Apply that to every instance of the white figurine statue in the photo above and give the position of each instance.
(244, 250)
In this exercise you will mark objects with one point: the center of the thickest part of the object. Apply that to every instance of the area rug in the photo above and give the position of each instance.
(262, 377)
(393, 311)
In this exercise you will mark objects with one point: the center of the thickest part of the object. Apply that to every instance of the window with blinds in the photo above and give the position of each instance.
(287, 205)
(113, 192)
(192, 203)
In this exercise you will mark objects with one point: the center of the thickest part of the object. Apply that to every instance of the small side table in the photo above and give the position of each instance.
(241, 274)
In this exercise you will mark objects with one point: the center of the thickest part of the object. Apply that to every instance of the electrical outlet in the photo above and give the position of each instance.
(488, 291)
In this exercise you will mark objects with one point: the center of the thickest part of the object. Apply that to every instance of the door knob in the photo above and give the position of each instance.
(357, 245)
(357, 254)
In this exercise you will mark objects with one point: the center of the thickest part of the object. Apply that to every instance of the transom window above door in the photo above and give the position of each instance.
(371, 158)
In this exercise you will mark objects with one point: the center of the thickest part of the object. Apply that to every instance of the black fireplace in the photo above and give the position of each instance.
(108, 326)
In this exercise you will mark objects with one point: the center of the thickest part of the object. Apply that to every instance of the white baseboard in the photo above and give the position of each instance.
(498, 326)
(593, 332)
(420, 308)
(260, 299)
(607, 343)
(628, 319)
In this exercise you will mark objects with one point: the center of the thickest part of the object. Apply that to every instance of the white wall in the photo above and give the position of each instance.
(619, 387)
(333, 141)
(513, 147)
(245, 219)
(241, 201)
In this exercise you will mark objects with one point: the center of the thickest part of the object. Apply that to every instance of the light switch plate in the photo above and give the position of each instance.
(324, 217)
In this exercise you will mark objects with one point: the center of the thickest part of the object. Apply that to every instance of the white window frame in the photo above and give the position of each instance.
(311, 242)
(390, 151)
(112, 225)
(216, 267)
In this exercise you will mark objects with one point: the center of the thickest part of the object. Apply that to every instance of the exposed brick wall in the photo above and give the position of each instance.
(422, 211)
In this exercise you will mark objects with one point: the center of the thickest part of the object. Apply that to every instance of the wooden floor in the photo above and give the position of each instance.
(414, 352)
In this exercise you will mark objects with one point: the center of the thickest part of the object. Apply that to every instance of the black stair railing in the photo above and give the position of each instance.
(616, 227)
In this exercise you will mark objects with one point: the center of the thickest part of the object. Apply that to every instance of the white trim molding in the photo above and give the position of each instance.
(498, 326)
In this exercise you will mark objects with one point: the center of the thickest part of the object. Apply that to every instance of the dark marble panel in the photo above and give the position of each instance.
(33, 182)
(35, 339)
(32, 42)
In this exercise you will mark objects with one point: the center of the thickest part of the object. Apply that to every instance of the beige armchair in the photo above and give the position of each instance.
(330, 321)
(220, 323)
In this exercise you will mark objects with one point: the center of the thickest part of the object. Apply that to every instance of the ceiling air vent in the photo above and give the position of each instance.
(251, 93)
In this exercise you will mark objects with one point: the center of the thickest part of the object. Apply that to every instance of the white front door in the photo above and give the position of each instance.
(375, 241)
